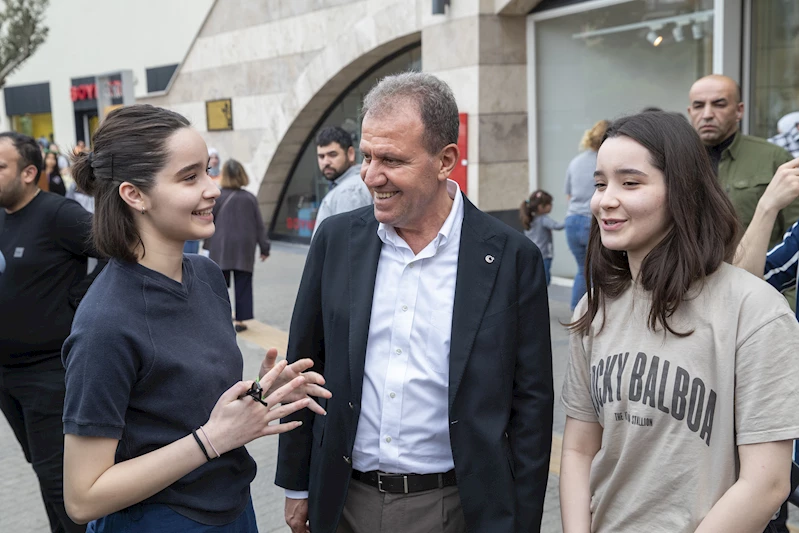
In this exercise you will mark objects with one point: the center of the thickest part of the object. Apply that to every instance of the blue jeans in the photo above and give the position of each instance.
(157, 518)
(548, 269)
(578, 228)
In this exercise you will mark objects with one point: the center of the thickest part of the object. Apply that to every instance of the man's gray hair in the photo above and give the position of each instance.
(434, 99)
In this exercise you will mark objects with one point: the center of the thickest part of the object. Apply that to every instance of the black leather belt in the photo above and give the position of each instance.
(405, 483)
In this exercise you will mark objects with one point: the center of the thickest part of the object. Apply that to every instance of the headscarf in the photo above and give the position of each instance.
(214, 170)
(787, 122)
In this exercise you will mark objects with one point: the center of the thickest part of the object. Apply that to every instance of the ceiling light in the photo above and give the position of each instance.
(678, 33)
(697, 31)
(654, 38)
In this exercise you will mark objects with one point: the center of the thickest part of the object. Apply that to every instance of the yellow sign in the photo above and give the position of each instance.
(219, 114)
(110, 108)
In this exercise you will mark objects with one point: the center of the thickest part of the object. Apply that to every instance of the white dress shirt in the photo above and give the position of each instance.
(404, 420)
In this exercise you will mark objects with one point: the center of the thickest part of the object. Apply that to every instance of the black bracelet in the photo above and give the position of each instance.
(202, 446)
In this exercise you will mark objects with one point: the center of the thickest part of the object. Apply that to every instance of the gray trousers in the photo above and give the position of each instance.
(368, 510)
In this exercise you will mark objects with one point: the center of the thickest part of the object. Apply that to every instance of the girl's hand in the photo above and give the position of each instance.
(237, 419)
(313, 386)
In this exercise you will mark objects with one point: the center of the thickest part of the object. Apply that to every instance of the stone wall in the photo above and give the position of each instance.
(284, 62)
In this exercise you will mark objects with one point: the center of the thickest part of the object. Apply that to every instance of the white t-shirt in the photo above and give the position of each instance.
(674, 409)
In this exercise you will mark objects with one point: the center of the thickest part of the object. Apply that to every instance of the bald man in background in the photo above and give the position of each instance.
(744, 164)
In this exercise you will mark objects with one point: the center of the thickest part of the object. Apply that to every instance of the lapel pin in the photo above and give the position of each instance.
(489, 259)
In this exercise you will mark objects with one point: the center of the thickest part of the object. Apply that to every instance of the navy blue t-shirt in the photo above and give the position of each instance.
(146, 362)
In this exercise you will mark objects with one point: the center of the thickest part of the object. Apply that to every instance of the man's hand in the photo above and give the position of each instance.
(297, 515)
(313, 381)
(263, 257)
(784, 187)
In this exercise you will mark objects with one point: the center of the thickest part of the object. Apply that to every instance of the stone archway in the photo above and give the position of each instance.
(380, 34)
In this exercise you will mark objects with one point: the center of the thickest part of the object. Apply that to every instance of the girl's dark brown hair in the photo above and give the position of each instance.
(704, 229)
(129, 145)
(529, 207)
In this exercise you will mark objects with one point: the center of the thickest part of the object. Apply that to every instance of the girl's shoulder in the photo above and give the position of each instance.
(732, 295)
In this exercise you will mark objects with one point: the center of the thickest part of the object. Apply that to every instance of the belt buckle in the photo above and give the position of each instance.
(380, 482)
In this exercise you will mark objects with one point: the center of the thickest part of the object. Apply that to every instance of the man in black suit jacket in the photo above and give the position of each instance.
(489, 418)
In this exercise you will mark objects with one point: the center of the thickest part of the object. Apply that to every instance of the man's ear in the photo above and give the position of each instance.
(132, 196)
(740, 111)
(351, 154)
(448, 158)
(29, 175)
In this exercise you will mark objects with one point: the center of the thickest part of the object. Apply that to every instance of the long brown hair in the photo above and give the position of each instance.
(529, 208)
(704, 229)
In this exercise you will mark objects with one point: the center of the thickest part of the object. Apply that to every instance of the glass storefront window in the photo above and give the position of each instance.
(775, 64)
(605, 63)
(36, 125)
(307, 186)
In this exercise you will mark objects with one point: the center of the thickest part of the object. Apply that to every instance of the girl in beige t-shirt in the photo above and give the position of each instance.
(682, 383)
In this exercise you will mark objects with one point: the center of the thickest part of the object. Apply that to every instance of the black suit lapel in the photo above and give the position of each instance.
(478, 262)
(364, 252)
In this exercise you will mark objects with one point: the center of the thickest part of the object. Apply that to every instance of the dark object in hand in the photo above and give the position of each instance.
(255, 392)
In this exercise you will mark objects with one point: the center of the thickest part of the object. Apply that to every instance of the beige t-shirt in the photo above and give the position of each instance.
(674, 409)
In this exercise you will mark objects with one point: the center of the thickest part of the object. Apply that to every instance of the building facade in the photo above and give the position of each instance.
(602, 59)
(261, 78)
(290, 68)
(132, 47)
(529, 76)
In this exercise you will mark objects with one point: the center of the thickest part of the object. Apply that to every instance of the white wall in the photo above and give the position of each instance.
(89, 37)
(580, 82)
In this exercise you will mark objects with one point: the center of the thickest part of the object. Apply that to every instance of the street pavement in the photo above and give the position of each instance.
(275, 286)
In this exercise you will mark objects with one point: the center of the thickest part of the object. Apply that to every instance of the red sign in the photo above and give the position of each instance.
(88, 91)
(459, 172)
(300, 224)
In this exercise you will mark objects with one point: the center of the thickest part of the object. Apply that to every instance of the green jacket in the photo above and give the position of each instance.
(745, 170)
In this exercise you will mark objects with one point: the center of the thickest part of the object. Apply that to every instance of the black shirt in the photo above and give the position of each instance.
(146, 362)
(45, 246)
(56, 183)
(715, 152)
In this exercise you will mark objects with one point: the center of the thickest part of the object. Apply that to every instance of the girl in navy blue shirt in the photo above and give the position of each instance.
(156, 417)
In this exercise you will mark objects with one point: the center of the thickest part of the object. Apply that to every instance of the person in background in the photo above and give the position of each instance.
(744, 164)
(777, 266)
(579, 189)
(336, 157)
(213, 164)
(63, 162)
(86, 201)
(53, 173)
(538, 225)
(239, 228)
(44, 240)
(788, 133)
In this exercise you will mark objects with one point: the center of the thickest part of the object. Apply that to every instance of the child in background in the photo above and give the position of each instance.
(538, 226)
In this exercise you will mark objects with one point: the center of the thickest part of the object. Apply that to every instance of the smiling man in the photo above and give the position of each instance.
(429, 320)
(744, 164)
